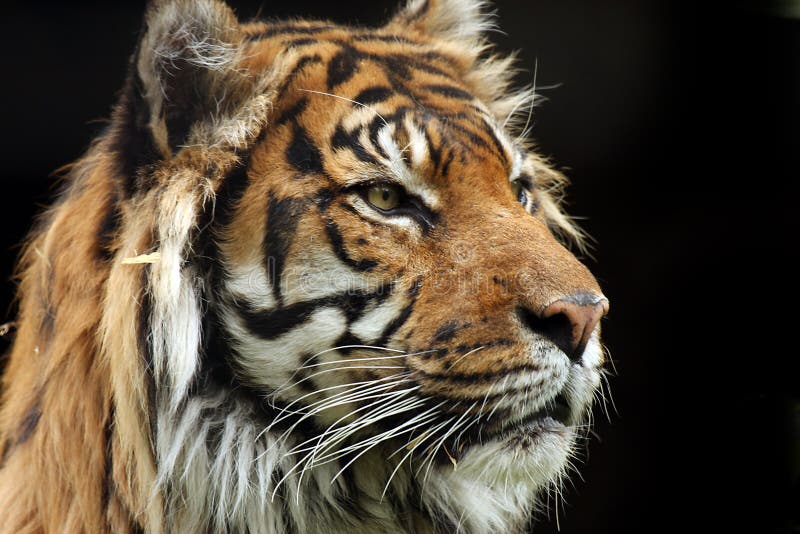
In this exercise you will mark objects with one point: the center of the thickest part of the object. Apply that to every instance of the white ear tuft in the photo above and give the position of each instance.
(463, 21)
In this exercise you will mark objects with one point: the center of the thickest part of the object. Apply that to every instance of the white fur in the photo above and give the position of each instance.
(315, 272)
(372, 323)
(269, 364)
(175, 289)
(398, 166)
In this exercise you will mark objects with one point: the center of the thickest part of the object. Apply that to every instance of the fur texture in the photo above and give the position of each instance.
(220, 331)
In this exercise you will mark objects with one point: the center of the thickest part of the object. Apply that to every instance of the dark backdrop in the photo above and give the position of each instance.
(678, 124)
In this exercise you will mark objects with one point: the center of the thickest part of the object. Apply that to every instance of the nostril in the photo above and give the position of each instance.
(568, 322)
(556, 328)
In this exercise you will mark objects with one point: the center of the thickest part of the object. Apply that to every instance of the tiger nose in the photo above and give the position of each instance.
(570, 321)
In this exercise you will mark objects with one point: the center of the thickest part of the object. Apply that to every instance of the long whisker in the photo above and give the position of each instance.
(348, 100)
(473, 351)
(316, 458)
(332, 426)
(359, 385)
(289, 383)
(343, 368)
(530, 108)
(336, 400)
(388, 411)
(382, 411)
(416, 444)
(435, 449)
(365, 358)
(414, 423)
(371, 445)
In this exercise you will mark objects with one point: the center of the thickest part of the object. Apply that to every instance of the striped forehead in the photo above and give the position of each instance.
(395, 105)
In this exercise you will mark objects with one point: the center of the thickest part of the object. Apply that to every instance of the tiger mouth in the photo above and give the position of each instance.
(554, 415)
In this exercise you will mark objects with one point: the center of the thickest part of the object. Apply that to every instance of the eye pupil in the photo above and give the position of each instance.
(384, 197)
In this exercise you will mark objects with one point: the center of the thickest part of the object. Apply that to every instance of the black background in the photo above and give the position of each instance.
(678, 125)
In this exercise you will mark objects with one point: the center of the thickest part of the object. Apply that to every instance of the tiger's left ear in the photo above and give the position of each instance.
(186, 82)
(463, 21)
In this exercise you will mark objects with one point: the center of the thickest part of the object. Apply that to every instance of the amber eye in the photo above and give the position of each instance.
(385, 197)
(519, 191)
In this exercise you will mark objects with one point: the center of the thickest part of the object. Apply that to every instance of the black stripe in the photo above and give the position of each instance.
(501, 151)
(109, 226)
(468, 137)
(527, 180)
(436, 155)
(109, 486)
(385, 39)
(449, 91)
(293, 112)
(280, 29)
(401, 319)
(297, 43)
(303, 154)
(472, 378)
(343, 66)
(377, 123)
(131, 138)
(338, 247)
(273, 323)
(446, 332)
(348, 338)
(283, 216)
(416, 63)
(323, 199)
(301, 64)
(342, 139)
(373, 95)
(29, 422)
(289, 524)
(374, 127)
(49, 312)
(215, 350)
(397, 68)
(447, 162)
(395, 325)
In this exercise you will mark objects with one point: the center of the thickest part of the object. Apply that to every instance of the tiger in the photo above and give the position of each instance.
(309, 278)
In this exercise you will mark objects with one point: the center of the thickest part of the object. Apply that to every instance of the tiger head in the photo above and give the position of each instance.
(343, 266)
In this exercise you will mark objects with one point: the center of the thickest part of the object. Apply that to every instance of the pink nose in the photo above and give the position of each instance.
(569, 322)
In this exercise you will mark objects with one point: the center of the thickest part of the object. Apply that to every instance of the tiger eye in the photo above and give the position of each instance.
(519, 191)
(384, 197)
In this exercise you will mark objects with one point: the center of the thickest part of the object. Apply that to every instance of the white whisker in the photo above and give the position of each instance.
(348, 100)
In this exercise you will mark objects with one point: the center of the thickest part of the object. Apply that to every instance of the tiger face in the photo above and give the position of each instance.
(310, 279)
(390, 236)
(393, 277)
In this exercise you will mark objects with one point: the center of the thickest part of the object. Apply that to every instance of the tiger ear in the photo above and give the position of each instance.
(185, 73)
(450, 20)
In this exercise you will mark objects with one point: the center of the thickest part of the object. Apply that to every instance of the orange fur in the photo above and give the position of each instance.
(76, 425)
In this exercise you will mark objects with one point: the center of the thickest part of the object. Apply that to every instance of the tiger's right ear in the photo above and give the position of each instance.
(461, 21)
(185, 78)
